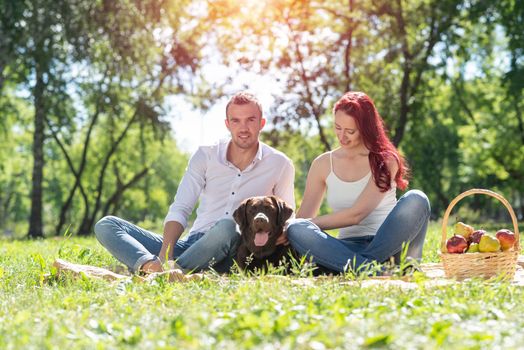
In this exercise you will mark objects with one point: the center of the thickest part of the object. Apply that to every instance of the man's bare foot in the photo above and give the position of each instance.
(152, 266)
(177, 275)
(172, 265)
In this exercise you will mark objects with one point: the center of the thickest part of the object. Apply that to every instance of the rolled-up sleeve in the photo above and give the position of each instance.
(189, 189)
(285, 186)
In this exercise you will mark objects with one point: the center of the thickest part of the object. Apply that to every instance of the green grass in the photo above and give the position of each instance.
(239, 312)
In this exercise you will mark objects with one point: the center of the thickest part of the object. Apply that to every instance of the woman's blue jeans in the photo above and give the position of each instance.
(134, 246)
(407, 224)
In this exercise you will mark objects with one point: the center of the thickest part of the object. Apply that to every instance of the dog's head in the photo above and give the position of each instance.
(261, 220)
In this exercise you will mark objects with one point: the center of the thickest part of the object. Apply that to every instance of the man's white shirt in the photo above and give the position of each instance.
(221, 186)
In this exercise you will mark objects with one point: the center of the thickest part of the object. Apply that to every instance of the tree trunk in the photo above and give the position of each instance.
(518, 114)
(405, 84)
(5, 203)
(521, 207)
(147, 180)
(2, 78)
(404, 108)
(35, 221)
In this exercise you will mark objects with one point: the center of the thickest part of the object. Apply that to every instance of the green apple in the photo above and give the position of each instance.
(473, 248)
(488, 244)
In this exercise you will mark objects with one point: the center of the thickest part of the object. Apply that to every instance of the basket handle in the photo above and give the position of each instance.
(479, 191)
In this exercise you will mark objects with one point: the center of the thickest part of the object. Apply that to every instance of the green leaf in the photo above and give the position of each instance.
(378, 340)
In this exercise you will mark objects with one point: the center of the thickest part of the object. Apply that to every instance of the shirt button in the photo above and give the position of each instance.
(233, 193)
(227, 213)
(238, 175)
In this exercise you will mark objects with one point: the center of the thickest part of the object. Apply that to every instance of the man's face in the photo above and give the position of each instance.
(244, 122)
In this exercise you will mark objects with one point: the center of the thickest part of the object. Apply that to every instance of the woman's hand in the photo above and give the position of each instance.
(282, 239)
(315, 187)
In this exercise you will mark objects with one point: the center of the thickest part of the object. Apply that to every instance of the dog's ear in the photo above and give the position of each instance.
(284, 210)
(240, 214)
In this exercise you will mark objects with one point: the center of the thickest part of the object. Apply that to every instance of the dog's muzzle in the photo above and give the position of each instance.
(261, 228)
(261, 219)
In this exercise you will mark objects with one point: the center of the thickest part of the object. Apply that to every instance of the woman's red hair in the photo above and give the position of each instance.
(371, 127)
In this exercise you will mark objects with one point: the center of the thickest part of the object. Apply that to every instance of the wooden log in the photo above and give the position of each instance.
(88, 270)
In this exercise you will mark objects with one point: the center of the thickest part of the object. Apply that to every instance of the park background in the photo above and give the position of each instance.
(102, 102)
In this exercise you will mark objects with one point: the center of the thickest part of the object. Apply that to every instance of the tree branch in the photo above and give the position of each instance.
(309, 95)
(114, 199)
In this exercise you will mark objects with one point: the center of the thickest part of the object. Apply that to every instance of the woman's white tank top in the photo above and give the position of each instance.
(342, 194)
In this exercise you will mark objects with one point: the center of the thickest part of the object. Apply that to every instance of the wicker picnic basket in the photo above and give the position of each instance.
(486, 265)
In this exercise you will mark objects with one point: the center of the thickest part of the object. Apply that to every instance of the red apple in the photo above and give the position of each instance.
(456, 244)
(476, 235)
(507, 239)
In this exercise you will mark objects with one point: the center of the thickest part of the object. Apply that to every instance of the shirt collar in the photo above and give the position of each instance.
(222, 151)
(259, 154)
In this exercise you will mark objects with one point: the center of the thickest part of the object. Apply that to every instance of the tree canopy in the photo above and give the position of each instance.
(84, 87)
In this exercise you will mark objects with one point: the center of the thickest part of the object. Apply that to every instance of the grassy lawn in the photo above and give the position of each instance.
(239, 312)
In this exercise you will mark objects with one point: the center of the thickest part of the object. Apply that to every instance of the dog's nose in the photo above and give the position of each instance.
(261, 218)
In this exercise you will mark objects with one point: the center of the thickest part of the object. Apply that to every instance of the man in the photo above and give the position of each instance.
(221, 176)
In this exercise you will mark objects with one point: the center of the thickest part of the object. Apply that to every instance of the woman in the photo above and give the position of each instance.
(359, 179)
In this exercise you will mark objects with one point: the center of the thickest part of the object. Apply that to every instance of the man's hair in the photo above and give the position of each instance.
(243, 98)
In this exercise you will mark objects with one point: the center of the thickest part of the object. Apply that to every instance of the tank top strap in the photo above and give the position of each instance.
(331, 161)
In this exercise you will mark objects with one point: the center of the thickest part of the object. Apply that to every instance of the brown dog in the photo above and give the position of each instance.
(261, 221)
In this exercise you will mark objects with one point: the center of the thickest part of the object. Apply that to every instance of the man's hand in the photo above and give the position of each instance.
(172, 232)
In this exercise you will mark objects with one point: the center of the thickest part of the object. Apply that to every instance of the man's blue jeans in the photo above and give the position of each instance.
(134, 246)
(406, 223)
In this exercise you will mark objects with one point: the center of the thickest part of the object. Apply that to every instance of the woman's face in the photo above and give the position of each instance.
(346, 130)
